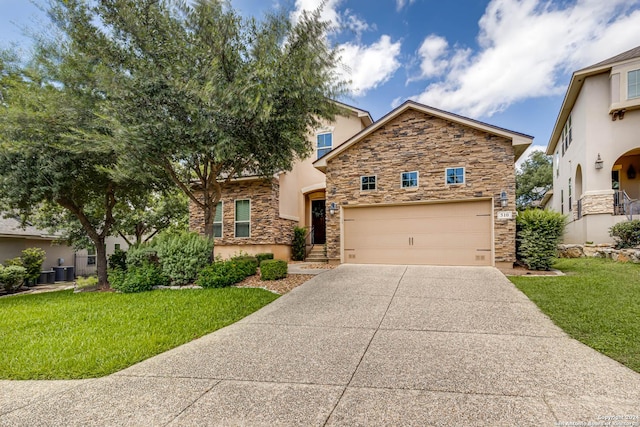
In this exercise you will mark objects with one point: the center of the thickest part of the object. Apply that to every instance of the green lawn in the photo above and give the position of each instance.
(597, 303)
(61, 335)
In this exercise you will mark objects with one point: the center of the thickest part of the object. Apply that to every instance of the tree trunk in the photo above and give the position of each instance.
(101, 262)
(209, 216)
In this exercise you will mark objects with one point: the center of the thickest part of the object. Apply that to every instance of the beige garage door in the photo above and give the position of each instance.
(435, 234)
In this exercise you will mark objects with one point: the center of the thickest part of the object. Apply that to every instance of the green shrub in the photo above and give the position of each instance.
(261, 257)
(626, 234)
(141, 254)
(116, 277)
(14, 261)
(140, 279)
(220, 274)
(118, 259)
(246, 264)
(12, 277)
(86, 282)
(298, 244)
(538, 237)
(32, 259)
(183, 255)
(273, 269)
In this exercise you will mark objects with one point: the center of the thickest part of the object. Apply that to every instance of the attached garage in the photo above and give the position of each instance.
(452, 233)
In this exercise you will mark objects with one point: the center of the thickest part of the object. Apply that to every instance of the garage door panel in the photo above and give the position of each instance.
(442, 234)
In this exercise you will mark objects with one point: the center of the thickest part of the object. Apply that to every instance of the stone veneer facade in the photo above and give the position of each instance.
(267, 228)
(595, 204)
(415, 141)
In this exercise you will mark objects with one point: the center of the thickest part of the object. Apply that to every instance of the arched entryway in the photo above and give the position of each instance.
(625, 181)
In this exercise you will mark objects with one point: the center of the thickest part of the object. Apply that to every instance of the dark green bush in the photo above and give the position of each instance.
(118, 259)
(183, 255)
(273, 269)
(12, 277)
(141, 254)
(246, 263)
(221, 274)
(261, 257)
(298, 244)
(14, 261)
(539, 232)
(139, 278)
(626, 234)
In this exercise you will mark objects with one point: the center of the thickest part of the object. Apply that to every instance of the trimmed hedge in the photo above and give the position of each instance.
(246, 263)
(12, 277)
(221, 274)
(273, 269)
(261, 257)
(626, 234)
(539, 232)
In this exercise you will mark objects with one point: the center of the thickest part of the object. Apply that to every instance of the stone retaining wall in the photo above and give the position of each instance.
(599, 251)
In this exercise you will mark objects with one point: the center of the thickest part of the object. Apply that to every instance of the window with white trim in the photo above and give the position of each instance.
(217, 221)
(409, 179)
(243, 218)
(567, 135)
(324, 143)
(633, 84)
(368, 182)
(455, 175)
(570, 207)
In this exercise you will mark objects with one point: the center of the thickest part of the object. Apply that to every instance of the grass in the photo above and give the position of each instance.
(62, 335)
(597, 303)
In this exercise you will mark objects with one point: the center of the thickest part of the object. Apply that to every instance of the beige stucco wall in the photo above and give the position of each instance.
(594, 132)
(12, 247)
(304, 178)
(415, 141)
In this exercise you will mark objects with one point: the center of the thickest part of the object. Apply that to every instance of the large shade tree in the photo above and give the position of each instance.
(533, 179)
(202, 95)
(55, 149)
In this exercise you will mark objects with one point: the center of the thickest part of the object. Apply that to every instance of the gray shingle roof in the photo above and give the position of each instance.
(624, 56)
(12, 227)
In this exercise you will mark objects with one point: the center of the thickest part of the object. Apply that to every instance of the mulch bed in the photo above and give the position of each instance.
(280, 287)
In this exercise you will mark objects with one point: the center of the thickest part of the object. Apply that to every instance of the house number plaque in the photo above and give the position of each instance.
(505, 215)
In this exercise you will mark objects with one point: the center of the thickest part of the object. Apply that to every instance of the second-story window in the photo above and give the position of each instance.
(633, 84)
(324, 143)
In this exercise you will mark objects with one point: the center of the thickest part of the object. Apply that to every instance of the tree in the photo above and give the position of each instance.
(55, 149)
(533, 179)
(202, 95)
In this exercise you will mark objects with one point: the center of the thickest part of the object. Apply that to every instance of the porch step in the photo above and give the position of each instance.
(317, 254)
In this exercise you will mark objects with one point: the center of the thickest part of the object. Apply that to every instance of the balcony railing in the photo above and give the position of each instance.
(624, 205)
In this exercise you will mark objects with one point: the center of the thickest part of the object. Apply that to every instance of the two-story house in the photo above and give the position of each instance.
(418, 186)
(595, 146)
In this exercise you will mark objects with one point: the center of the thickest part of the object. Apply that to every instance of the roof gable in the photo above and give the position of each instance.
(520, 141)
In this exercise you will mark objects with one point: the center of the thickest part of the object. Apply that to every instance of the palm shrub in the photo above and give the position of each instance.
(183, 255)
(626, 234)
(12, 277)
(298, 244)
(539, 232)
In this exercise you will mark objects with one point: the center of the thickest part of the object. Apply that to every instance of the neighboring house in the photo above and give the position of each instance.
(595, 146)
(85, 259)
(14, 239)
(419, 186)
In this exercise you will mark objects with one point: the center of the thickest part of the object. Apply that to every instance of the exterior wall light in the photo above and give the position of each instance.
(504, 200)
(333, 208)
(599, 162)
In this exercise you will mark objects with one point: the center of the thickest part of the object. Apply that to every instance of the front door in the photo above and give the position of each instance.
(318, 212)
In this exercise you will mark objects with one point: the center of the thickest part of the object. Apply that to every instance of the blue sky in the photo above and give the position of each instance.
(506, 62)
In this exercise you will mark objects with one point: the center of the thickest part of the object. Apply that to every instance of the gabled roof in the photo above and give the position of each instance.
(520, 141)
(362, 114)
(10, 227)
(575, 86)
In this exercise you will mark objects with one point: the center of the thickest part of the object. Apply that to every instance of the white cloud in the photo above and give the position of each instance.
(526, 46)
(400, 4)
(370, 66)
(431, 54)
(366, 66)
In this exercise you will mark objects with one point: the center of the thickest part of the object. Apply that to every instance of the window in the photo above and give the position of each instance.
(557, 163)
(243, 218)
(91, 256)
(325, 142)
(455, 175)
(562, 202)
(117, 246)
(217, 221)
(569, 193)
(409, 179)
(368, 183)
(633, 84)
(567, 135)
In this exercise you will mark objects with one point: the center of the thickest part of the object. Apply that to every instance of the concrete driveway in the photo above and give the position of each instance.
(359, 345)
